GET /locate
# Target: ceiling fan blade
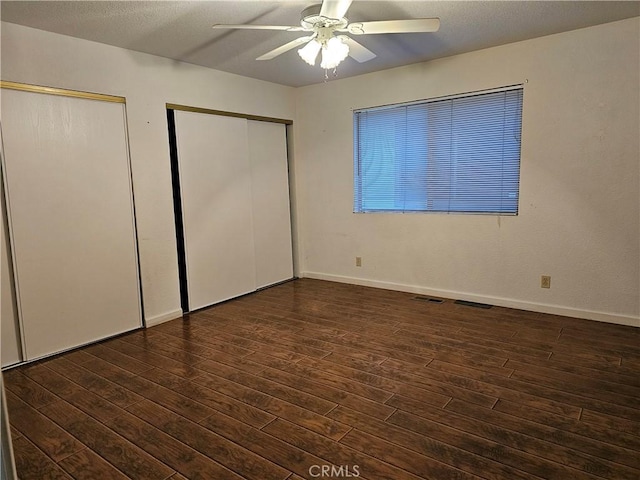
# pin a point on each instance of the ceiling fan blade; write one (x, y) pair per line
(335, 8)
(414, 25)
(357, 51)
(261, 27)
(285, 48)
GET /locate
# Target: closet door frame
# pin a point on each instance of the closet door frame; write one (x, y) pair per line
(175, 175)
(46, 90)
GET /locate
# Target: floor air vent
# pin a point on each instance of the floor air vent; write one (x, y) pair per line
(472, 304)
(429, 299)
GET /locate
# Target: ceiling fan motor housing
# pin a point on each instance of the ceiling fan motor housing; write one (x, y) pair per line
(311, 19)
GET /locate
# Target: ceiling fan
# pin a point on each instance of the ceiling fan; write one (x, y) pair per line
(323, 21)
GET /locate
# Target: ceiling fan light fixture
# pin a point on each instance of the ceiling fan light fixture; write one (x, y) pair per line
(309, 53)
(334, 51)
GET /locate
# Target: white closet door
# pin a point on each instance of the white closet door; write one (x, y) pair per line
(271, 215)
(10, 348)
(215, 185)
(71, 217)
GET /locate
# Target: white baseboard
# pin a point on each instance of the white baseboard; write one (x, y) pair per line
(165, 317)
(501, 302)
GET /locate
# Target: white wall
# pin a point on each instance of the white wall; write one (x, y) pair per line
(579, 217)
(148, 83)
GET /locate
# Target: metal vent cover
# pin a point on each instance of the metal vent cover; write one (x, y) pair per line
(428, 299)
(467, 303)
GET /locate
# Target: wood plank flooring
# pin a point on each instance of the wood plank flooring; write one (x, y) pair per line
(312, 379)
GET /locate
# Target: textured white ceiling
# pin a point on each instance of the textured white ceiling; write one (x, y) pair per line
(182, 30)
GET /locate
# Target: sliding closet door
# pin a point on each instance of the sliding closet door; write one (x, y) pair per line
(10, 339)
(270, 192)
(71, 219)
(217, 210)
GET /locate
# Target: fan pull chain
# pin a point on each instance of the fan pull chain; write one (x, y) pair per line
(326, 74)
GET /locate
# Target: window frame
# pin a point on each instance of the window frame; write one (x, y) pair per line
(515, 119)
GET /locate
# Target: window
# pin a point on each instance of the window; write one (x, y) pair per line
(457, 154)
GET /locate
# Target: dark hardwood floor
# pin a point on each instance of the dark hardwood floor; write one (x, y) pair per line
(295, 379)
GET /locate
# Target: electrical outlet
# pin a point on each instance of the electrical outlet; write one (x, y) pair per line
(545, 281)
(358, 261)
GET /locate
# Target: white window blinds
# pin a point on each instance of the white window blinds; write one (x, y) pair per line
(458, 154)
